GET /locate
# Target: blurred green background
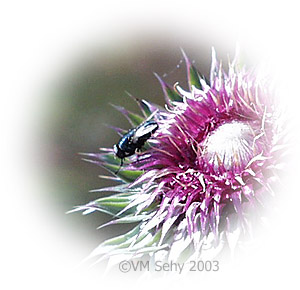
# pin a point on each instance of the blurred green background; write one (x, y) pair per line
(79, 107)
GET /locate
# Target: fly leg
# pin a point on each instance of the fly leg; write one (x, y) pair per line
(138, 154)
(121, 164)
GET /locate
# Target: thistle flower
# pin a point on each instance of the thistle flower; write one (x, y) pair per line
(205, 170)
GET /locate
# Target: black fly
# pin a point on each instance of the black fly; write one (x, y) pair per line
(134, 140)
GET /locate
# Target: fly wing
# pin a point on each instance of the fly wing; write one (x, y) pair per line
(144, 130)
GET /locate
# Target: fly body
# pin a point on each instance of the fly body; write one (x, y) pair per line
(134, 140)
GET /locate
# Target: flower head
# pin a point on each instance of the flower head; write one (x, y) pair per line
(205, 166)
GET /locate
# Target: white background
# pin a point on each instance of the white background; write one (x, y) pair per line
(39, 39)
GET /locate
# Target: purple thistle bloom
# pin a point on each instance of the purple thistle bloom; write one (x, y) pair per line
(205, 170)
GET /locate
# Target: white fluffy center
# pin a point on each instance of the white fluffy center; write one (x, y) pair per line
(231, 144)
